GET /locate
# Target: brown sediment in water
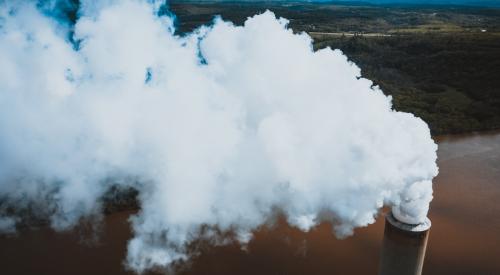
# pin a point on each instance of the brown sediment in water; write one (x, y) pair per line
(465, 212)
(464, 237)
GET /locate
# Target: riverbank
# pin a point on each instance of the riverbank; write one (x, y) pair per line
(448, 80)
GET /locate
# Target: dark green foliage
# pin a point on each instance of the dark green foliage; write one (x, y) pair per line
(437, 63)
(451, 81)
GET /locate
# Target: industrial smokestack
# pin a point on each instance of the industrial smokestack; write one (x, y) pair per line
(404, 245)
(264, 120)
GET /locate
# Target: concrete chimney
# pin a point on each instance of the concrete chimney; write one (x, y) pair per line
(403, 248)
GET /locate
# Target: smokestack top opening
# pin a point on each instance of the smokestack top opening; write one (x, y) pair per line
(421, 227)
(410, 213)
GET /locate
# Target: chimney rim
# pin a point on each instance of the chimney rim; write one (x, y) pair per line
(421, 227)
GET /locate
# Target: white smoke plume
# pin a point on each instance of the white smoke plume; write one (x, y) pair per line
(219, 127)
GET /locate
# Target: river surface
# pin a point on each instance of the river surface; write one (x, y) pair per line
(464, 238)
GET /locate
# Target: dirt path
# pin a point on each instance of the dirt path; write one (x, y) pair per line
(349, 34)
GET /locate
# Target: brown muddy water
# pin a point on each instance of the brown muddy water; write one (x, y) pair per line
(464, 238)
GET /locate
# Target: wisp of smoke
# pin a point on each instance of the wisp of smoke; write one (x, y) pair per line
(219, 127)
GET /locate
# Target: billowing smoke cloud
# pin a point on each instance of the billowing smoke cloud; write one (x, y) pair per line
(219, 128)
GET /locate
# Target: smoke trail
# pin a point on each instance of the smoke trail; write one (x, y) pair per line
(216, 128)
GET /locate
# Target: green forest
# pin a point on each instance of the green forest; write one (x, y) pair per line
(440, 63)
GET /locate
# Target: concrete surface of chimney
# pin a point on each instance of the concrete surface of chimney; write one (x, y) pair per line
(403, 248)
